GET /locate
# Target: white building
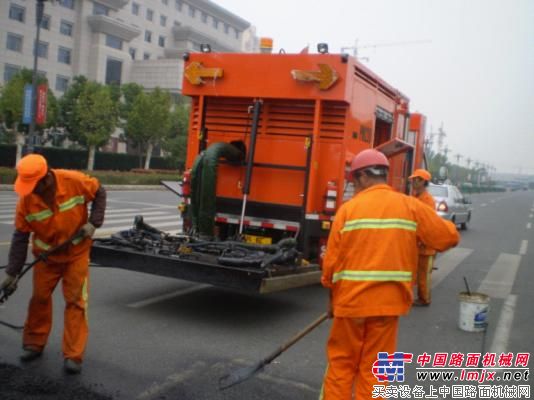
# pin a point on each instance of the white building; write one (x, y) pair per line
(116, 41)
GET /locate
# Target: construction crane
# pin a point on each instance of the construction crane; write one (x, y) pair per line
(356, 47)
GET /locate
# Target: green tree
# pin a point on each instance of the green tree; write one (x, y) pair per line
(67, 103)
(148, 122)
(176, 142)
(95, 117)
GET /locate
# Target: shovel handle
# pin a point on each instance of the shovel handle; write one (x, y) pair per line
(323, 317)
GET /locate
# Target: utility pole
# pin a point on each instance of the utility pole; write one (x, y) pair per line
(39, 12)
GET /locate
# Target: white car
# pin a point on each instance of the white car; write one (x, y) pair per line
(451, 204)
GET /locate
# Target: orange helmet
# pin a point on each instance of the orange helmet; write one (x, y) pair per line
(368, 158)
(30, 170)
(421, 173)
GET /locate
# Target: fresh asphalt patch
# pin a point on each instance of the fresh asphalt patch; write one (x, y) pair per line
(24, 384)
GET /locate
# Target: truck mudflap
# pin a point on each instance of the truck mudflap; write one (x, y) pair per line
(230, 264)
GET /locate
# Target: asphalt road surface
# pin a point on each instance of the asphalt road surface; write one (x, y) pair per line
(161, 338)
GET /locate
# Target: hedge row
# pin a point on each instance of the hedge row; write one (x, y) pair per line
(77, 159)
(8, 175)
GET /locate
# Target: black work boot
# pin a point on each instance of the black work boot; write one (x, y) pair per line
(30, 354)
(72, 367)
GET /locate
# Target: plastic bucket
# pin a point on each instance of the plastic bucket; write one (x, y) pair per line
(474, 310)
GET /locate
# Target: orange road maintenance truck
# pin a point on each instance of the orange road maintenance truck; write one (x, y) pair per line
(270, 140)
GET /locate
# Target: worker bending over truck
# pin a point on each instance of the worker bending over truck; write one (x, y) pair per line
(369, 265)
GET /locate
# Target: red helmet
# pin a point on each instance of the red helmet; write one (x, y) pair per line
(368, 158)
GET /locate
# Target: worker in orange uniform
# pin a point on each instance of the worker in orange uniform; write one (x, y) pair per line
(420, 179)
(368, 266)
(53, 206)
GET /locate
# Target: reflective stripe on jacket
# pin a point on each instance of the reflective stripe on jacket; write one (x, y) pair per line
(51, 227)
(372, 251)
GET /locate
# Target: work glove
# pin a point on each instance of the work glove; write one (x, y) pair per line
(88, 230)
(9, 285)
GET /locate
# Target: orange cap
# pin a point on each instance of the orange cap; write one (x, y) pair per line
(30, 170)
(421, 173)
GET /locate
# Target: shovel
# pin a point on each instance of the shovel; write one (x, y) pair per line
(243, 374)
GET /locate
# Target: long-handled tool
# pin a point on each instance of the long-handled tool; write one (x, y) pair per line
(244, 373)
(4, 294)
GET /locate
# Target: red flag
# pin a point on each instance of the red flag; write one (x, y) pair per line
(40, 118)
(305, 50)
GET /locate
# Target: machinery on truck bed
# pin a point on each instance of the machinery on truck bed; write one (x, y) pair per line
(270, 139)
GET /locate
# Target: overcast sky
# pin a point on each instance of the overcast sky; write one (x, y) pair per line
(473, 73)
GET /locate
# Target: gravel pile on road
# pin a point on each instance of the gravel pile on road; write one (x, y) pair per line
(20, 384)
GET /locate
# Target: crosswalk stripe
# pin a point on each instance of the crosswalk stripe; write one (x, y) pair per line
(120, 210)
(447, 262)
(133, 214)
(148, 221)
(500, 278)
(105, 231)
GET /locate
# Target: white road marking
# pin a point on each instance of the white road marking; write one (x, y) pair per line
(504, 326)
(530, 216)
(110, 217)
(500, 279)
(147, 220)
(108, 230)
(447, 262)
(167, 296)
(171, 381)
(529, 225)
(120, 210)
(483, 205)
(140, 203)
(523, 247)
(492, 201)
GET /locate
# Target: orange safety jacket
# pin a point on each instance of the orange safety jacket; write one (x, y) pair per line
(52, 227)
(426, 198)
(372, 251)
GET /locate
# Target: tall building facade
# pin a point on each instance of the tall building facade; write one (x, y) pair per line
(116, 41)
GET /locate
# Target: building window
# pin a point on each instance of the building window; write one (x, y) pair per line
(62, 83)
(64, 55)
(10, 71)
(16, 12)
(14, 42)
(45, 23)
(161, 41)
(215, 23)
(146, 56)
(67, 4)
(163, 20)
(132, 52)
(149, 14)
(114, 41)
(236, 33)
(100, 9)
(135, 9)
(65, 28)
(204, 17)
(178, 5)
(148, 36)
(226, 28)
(113, 71)
(42, 50)
(192, 11)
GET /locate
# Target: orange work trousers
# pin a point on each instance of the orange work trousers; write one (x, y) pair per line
(424, 278)
(75, 276)
(352, 349)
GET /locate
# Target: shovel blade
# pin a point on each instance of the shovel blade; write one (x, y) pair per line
(238, 376)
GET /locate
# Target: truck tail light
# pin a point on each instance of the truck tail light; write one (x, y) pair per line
(330, 198)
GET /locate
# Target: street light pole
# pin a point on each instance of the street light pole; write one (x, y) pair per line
(39, 7)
